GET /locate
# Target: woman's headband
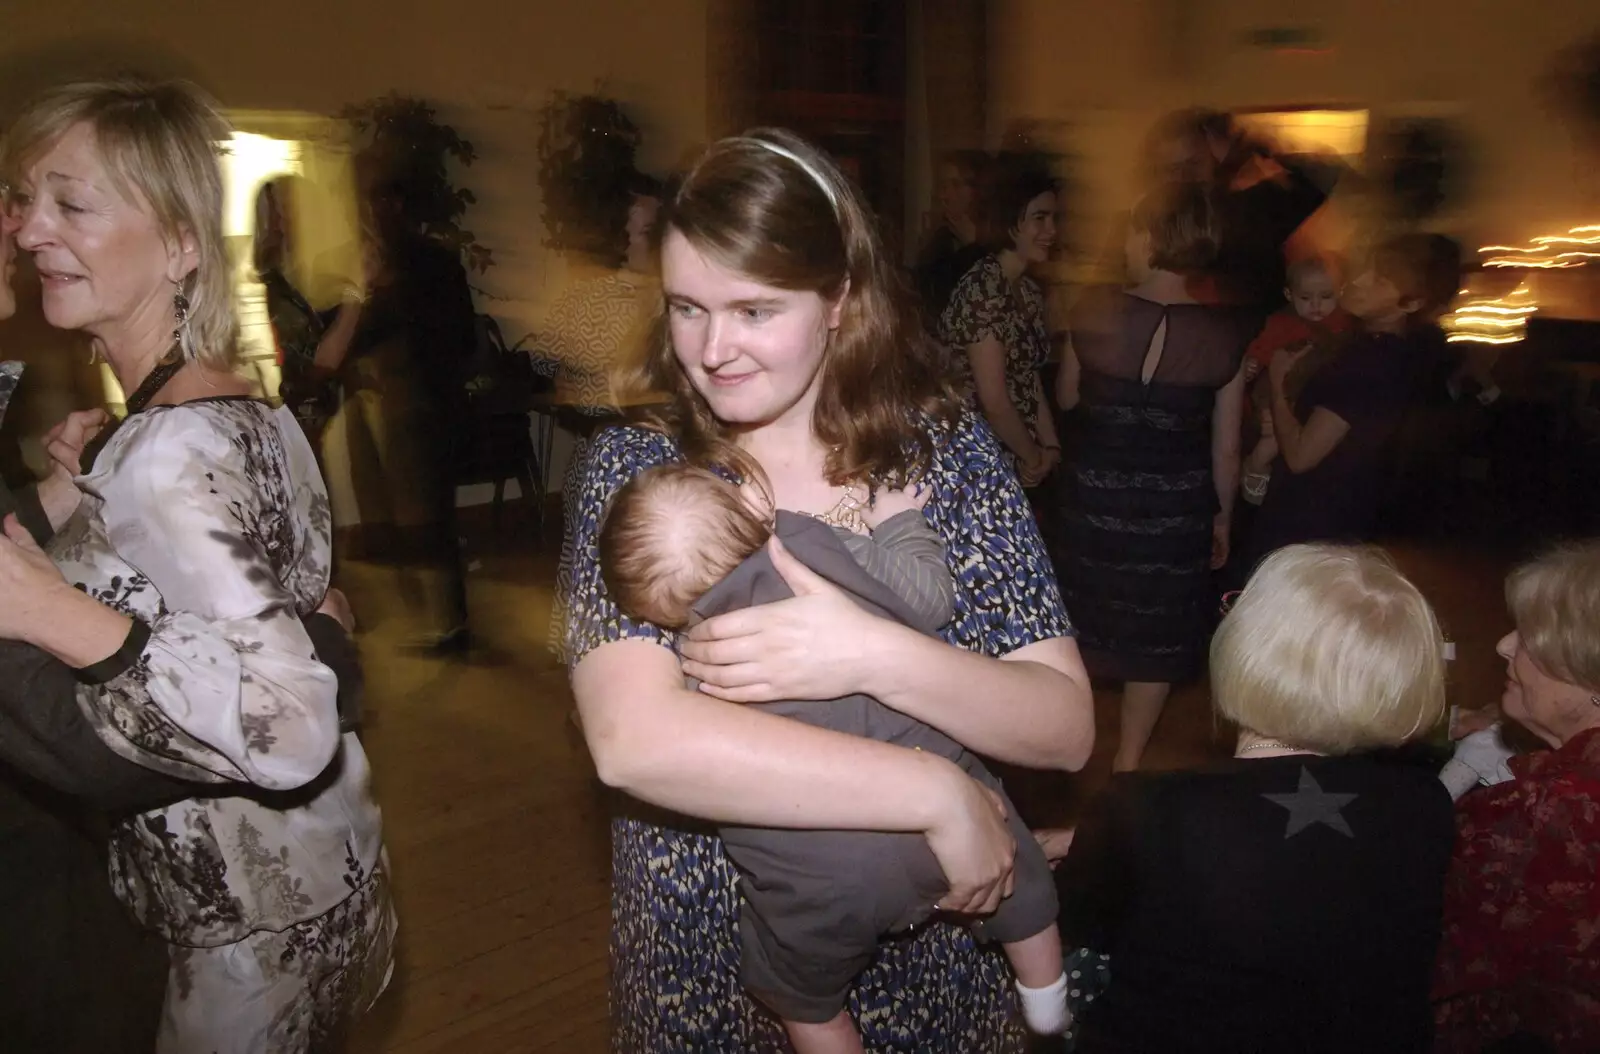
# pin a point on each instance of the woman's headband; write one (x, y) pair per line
(805, 166)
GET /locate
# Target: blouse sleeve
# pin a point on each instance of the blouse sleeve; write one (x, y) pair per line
(976, 307)
(615, 457)
(228, 687)
(1007, 596)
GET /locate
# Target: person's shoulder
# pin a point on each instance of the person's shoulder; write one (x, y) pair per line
(984, 272)
(629, 449)
(1098, 307)
(199, 429)
(963, 444)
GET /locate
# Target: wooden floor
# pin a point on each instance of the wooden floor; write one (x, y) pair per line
(496, 826)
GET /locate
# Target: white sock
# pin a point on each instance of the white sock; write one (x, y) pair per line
(1045, 1009)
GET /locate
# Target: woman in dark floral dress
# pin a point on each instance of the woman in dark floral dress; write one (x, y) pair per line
(995, 325)
(792, 365)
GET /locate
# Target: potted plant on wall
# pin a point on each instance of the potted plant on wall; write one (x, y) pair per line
(587, 150)
(410, 141)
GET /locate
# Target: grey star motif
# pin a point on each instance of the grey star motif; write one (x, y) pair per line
(1310, 805)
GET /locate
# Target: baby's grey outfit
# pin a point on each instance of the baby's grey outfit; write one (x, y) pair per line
(817, 903)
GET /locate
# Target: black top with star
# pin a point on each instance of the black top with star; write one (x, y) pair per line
(1273, 904)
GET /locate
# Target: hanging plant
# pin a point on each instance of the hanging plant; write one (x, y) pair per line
(587, 149)
(406, 139)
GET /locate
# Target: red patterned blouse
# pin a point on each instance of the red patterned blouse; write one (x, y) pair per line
(1521, 947)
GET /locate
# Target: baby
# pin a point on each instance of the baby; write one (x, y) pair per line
(1313, 318)
(680, 544)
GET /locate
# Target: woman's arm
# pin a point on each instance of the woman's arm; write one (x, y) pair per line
(335, 343)
(1032, 708)
(229, 685)
(1067, 377)
(1042, 712)
(1303, 447)
(1048, 438)
(736, 764)
(663, 744)
(989, 378)
(1227, 423)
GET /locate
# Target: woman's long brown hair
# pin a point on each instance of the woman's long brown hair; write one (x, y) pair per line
(762, 215)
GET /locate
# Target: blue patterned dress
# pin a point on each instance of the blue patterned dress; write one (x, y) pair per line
(675, 903)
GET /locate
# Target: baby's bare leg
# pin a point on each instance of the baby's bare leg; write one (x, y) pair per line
(1041, 981)
(838, 1036)
(1037, 959)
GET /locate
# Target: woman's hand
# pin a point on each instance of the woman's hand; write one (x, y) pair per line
(975, 849)
(1032, 471)
(58, 492)
(336, 605)
(65, 442)
(1055, 841)
(769, 652)
(1221, 533)
(1465, 722)
(30, 583)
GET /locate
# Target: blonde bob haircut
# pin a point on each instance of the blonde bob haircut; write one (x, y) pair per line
(1555, 602)
(1332, 649)
(160, 141)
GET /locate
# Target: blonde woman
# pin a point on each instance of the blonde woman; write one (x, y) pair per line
(1288, 899)
(201, 535)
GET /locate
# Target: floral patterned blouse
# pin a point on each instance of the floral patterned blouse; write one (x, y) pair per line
(1521, 948)
(984, 305)
(209, 521)
(675, 897)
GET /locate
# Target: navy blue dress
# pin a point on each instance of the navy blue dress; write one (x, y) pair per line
(1138, 490)
(675, 901)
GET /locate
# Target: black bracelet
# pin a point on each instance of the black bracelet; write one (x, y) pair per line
(120, 661)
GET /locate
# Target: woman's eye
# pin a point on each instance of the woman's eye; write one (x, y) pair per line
(685, 310)
(756, 314)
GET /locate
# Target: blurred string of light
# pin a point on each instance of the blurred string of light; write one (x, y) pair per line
(1491, 319)
(1549, 252)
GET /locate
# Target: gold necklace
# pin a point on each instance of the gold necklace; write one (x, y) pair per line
(847, 513)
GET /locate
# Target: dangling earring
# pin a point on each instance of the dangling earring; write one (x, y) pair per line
(180, 314)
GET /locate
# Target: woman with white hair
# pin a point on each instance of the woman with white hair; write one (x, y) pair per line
(1520, 964)
(200, 536)
(1288, 899)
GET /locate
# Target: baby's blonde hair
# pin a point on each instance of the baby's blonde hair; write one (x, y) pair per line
(1330, 648)
(670, 534)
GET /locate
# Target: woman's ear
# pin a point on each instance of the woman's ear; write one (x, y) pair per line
(183, 256)
(836, 309)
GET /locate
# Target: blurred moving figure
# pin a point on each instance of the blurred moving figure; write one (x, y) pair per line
(310, 344)
(952, 244)
(595, 326)
(405, 404)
